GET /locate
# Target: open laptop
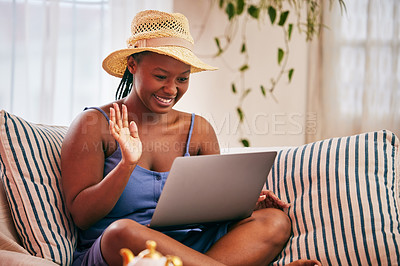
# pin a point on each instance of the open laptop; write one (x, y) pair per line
(211, 189)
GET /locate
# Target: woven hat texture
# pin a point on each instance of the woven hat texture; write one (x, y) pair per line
(159, 32)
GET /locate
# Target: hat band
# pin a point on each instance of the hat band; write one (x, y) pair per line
(163, 41)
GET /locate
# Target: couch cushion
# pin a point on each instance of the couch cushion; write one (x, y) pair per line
(344, 203)
(30, 172)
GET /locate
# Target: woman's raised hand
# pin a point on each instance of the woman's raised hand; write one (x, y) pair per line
(126, 134)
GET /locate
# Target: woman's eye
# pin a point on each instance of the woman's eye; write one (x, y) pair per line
(182, 79)
(161, 77)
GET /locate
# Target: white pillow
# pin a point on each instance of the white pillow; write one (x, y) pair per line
(344, 199)
(30, 172)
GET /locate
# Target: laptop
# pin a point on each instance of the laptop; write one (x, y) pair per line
(208, 189)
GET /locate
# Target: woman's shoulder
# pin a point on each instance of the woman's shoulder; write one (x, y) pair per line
(92, 115)
(202, 125)
(189, 116)
(92, 121)
(203, 139)
(199, 122)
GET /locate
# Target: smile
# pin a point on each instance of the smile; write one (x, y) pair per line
(162, 100)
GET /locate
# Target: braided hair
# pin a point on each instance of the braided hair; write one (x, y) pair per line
(125, 86)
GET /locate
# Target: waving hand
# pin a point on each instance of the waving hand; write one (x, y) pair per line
(126, 134)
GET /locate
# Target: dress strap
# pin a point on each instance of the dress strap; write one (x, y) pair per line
(100, 110)
(190, 135)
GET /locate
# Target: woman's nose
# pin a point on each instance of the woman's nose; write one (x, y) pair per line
(170, 88)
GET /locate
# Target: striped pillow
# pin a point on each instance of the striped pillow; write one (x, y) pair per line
(344, 196)
(30, 173)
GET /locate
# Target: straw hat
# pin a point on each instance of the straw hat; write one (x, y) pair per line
(158, 32)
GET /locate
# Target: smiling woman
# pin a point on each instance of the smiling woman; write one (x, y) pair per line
(112, 193)
(155, 72)
(175, 88)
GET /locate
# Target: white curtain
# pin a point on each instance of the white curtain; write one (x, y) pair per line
(51, 53)
(355, 70)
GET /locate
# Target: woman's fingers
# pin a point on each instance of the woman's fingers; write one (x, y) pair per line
(118, 120)
(119, 117)
(261, 198)
(133, 129)
(112, 130)
(112, 115)
(125, 116)
(268, 199)
(125, 133)
(112, 125)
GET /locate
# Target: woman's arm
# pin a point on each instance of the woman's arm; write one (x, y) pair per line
(89, 196)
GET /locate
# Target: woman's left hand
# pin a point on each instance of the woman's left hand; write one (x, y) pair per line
(268, 199)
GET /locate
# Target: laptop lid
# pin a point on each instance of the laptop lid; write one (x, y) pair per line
(212, 188)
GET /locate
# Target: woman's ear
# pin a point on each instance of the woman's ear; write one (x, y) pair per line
(131, 64)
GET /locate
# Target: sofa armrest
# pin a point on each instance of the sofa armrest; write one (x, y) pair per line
(7, 228)
(18, 259)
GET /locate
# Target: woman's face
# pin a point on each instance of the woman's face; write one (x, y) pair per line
(159, 80)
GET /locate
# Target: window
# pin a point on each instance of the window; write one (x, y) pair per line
(360, 87)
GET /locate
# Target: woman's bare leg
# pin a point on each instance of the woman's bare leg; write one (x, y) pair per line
(256, 240)
(129, 234)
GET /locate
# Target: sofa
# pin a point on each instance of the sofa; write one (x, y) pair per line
(344, 195)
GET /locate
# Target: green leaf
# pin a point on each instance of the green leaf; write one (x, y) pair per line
(245, 142)
(221, 3)
(263, 90)
(234, 88)
(283, 18)
(240, 113)
(244, 68)
(290, 74)
(245, 93)
(217, 42)
(281, 53)
(243, 50)
(230, 11)
(272, 14)
(290, 31)
(239, 6)
(253, 11)
(218, 46)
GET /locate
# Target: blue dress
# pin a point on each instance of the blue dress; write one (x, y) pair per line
(138, 202)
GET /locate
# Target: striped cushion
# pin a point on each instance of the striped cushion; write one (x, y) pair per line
(30, 172)
(344, 196)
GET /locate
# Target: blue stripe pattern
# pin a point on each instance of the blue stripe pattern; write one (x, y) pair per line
(344, 199)
(30, 172)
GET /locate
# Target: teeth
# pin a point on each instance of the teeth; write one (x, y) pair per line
(164, 100)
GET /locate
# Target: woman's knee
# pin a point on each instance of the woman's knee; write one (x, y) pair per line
(121, 231)
(276, 222)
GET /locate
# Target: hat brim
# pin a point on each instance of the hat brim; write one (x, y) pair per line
(115, 63)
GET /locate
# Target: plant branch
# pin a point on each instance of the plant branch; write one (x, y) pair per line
(257, 10)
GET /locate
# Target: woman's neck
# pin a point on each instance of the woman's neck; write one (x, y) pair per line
(139, 113)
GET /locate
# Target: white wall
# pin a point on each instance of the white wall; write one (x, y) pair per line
(269, 123)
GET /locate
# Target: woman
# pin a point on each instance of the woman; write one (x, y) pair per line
(115, 159)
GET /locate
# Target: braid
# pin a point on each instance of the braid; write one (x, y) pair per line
(125, 86)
